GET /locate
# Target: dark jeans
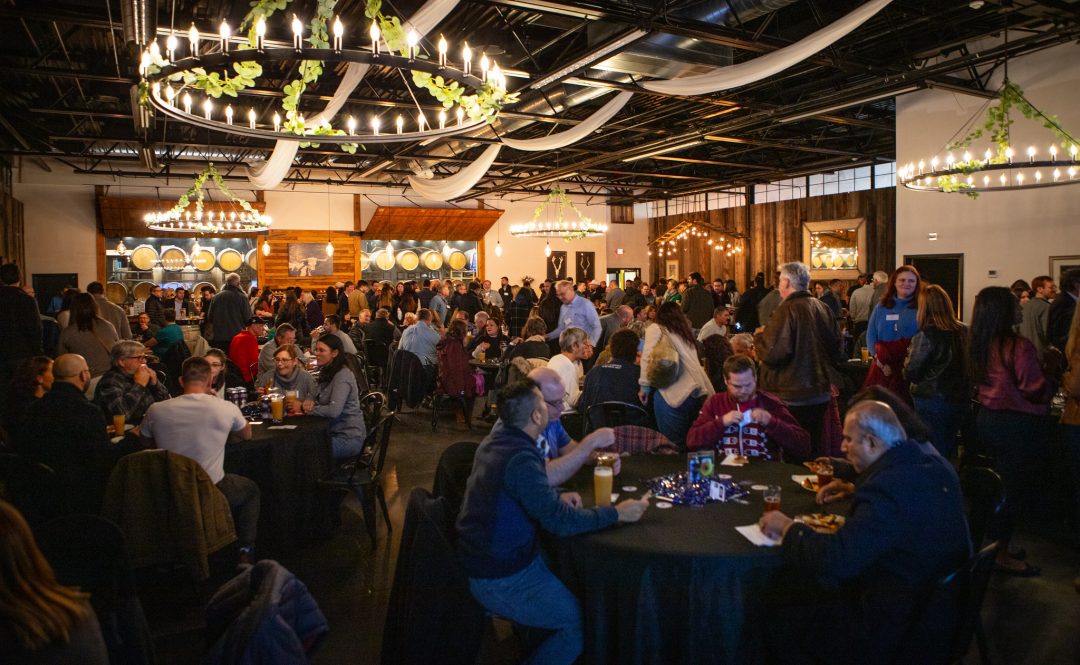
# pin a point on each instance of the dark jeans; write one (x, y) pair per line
(243, 496)
(675, 421)
(943, 418)
(1017, 442)
(812, 419)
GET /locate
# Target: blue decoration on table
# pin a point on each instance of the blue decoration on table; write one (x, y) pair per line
(674, 488)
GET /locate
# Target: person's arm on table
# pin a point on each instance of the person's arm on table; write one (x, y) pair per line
(575, 454)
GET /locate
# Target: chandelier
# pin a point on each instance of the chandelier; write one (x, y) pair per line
(179, 219)
(557, 224)
(184, 88)
(727, 242)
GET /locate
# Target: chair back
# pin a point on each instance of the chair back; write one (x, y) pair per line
(372, 405)
(985, 496)
(972, 593)
(379, 442)
(377, 353)
(32, 488)
(614, 413)
(452, 473)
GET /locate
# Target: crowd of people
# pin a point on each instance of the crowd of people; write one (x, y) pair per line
(711, 367)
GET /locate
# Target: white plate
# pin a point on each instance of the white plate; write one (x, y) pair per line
(799, 478)
(116, 439)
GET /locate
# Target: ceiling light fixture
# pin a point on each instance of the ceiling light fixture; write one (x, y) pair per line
(179, 219)
(557, 224)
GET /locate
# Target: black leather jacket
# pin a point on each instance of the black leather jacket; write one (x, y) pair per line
(935, 366)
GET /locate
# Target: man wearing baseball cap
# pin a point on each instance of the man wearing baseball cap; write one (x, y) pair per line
(244, 347)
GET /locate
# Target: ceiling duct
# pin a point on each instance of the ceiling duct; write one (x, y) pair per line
(140, 22)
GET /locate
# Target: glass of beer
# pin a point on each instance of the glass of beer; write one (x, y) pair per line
(772, 498)
(277, 408)
(865, 354)
(291, 398)
(118, 424)
(602, 480)
(824, 474)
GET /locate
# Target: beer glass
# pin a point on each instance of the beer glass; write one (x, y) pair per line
(772, 498)
(602, 481)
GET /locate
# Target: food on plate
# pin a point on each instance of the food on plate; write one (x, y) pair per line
(810, 484)
(822, 522)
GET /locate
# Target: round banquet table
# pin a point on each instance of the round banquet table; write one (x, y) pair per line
(287, 465)
(681, 585)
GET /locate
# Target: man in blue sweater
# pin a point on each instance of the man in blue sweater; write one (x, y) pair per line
(507, 497)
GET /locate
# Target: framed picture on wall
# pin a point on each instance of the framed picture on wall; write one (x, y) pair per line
(556, 265)
(585, 266)
(835, 249)
(671, 269)
(309, 259)
(1059, 265)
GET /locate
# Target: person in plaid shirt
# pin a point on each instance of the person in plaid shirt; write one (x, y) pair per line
(130, 387)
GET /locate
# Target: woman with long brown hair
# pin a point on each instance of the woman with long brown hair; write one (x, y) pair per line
(678, 401)
(89, 335)
(41, 621)
(893, 323)
(935, 368)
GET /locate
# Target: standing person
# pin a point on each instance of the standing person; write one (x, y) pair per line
(697, 303)
(719, 293)
(862, 301)
(155, 305)
(292, 312)
(44, 621)
(517, 311)
(769, 302)
(1014, 396)
(440, 305)
(312, 310)
(746, 314)
(454, 375)
(167, 425)
(109, 311)
(679, 402)
(330, 301)
(490, 296)
(228, 313)
(506, 292)
(936, 369)
(20, 324)
(338, 398)
(647, 294)
(859, 282)
(575, 312)
(1036, 312)
(610, 323)
(180, 304)
(614, 295)
(892, 325)
(796, 350)
(833, 297)
(507, 498)
(244, 348)
(89, 335)
(550, 306)
(358, 299)
(1070, 419)
(1061, 309)
(425, 294)
(347, 287)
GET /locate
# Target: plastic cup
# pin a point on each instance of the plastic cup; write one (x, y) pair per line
(772, 498)
(602, 481)
(865, 354)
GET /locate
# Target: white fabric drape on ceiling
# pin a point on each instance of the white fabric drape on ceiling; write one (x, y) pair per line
(269, 174)
(461, 182)
(574, 134)
(726, 78)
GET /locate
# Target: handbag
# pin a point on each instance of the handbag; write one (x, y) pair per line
(479, 382)
(663, 363)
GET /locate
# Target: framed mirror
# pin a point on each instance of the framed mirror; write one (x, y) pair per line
(835, 249)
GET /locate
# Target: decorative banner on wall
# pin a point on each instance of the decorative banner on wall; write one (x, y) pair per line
(585, 266)
(556, 265)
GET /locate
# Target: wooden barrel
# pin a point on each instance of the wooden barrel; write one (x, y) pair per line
(174, 258)
(384, 260)
(432, 260)
(144, 257)
(230, 260)
(195, 292)
(142, 290)
(365, 261)
(116, 292)
(457, 260)
(252, 258)
(203, 260)
(408, 260)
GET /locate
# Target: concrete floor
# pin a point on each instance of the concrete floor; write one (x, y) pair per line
(1030, 621)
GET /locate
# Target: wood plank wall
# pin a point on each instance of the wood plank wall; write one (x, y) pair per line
(12, 236)
(773, 234)
(274, 269)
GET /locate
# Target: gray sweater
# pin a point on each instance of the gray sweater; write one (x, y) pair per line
(339, 401)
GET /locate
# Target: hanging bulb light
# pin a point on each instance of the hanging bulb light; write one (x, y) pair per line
(547, 249)
(121, 248)
(329, 248)
(498, 248)
(195, 248)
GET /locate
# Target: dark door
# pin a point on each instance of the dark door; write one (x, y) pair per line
(945, 270)
(48, 286)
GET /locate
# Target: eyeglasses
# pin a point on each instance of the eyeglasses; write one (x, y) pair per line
(141, 357)
(283, 360)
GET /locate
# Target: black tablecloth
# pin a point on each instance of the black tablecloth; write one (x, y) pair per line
(680, 586)
(286, 465)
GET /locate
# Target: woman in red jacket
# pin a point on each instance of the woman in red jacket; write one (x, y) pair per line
(455, 375)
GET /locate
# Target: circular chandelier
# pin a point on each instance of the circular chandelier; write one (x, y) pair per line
(557, 224)
(993, 173)
(169, 84)
(244, 218)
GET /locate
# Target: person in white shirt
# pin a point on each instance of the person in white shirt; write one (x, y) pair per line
(575, 346)
(197, 425)
(717, 325)
(332, 326)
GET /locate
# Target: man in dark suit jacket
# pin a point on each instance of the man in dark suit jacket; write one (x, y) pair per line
(905, 529)
(20, 324)
(1062, 308)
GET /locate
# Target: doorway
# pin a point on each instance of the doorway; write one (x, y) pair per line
(622, 275)
(945, 270)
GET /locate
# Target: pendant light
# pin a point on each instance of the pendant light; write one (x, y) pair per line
(547, 249)
(195, 247)
(266, 247)
(329, 242)
(498, 241)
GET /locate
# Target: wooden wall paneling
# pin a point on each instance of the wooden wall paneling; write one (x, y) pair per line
(274, 269)
(124, 216)
(12, 233)
(400, 223)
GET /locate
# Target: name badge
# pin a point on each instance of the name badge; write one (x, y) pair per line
(892, 317)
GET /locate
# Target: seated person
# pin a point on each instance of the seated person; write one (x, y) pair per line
(507, 498)
(616, 380)
(337, 398)
(356, 332)
(380, 330)
(743, 343)
(717, 325)
(169, 426)
(421, 338)
(167, 336)
(283, 334)
(144, 331)
(743, 420)
(490, 341)
(905, 529)
(288, 375)
(32, 379)
(534, 344)
(244, 347)
(408, 320)
(454, 374)
(130, 387)
(332, 326)
(44, 621)
(575, 347)
(222, 376)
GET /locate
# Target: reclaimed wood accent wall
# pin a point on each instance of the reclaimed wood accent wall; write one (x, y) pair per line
(773, 234)
(120, 217)
(274, 269)
(12, 236)
(401, 223)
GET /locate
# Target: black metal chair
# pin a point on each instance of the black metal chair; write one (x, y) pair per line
(985, 496)
(613, 414)
(362, 475)
(972, 593)
(440, 401)
(371, 405)
(378, 356)
(452, 473)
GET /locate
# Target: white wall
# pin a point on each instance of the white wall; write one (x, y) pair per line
(1013, 233)
(60, 231)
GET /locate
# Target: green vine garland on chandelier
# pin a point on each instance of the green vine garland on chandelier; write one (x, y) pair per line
(557, 196)
(197, 190)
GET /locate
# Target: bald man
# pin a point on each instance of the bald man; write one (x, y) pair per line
(67, 432)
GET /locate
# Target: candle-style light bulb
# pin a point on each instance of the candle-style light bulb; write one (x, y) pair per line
(170, 94)
(207, 107)
(329, 249)
(375, 125)
(225, 33)
(934, 163)
(949, 161)
(374, 32)
(484, 64)
(170, 46)
(277, 121)
(266, 248)
(297, 33)
(339, 33)
(400, 124)
(193, 39)
(351, 124)
(988, 155)
(442, 51)
(986, 181)
(1009, 154)
(442, 119)
(420, 120)
(1053, 153)
(412, 40)
(260, 32)
(460, 113)
(228, 114)
(1072, 151)
(1004, 180)
(1019, 178)
(144, 63)
(1056, 174)
(466, 59)
(496, 75)
(1038, 177)
(967, 157)
(251, 118)
(1031, 153)
(187, 102)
